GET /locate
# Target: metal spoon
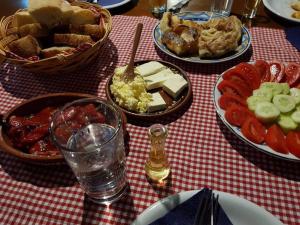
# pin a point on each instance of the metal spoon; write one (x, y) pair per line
(129, 72)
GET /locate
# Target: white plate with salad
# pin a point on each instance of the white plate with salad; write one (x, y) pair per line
(268, 101)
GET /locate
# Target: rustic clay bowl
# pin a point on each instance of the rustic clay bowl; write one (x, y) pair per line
(32, 106)
(173, 106)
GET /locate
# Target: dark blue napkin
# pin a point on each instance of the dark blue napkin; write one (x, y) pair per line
(293, 35)
(185, 213)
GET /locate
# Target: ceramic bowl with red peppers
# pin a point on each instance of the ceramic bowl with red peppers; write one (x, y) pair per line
(24, 131)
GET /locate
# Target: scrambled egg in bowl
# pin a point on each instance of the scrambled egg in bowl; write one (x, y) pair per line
(132, 95)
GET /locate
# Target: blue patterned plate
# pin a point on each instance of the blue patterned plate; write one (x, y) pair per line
(109, 4)
(202, 17)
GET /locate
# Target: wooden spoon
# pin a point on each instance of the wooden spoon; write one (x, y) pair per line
(129, 72)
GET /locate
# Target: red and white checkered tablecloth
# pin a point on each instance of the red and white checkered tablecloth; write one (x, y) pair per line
(201, 150)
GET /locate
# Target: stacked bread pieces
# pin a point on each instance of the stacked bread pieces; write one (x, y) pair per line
(54, 27)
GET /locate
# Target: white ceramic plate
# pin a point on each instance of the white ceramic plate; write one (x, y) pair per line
(281, 8)
(202, 17)
(239, 210)
(237, 131)
(110, 4)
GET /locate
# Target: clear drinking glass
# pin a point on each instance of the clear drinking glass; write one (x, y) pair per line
(89, 134)
(250, 8)
(158, 7)
(222, 7)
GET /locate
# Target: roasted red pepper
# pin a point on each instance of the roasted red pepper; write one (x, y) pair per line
(35, 135)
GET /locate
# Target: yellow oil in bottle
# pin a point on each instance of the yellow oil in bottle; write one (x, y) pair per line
(157, 167)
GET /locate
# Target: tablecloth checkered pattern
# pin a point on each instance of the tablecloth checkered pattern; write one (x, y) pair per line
(201, 150)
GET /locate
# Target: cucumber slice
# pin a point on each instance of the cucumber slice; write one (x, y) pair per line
(266, 112)
(287, 123)
(285, 88)
(296, 116)
(264, 93)
(275, 88)
(295, 92)
(253, 100)
(285, 103)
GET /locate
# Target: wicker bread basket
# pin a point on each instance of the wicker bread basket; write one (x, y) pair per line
(58, 64)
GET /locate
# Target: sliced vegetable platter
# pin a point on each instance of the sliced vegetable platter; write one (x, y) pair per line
(260, 103)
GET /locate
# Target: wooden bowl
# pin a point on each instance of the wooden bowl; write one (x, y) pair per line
(172, 107)
(32, 106)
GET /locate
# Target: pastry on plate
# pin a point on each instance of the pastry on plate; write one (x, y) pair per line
(211, 39)
(296, 15)
(182, 40)
(219, 36)
(296, 6)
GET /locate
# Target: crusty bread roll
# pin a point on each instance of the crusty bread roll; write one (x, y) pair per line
(82, 16)
(296, 15)
(71, 39)
(53, 51)
(46, 12)
(25, 47)
(67, 13)
(296, 6)
(34, 29)
(22, 18)
(95, 31)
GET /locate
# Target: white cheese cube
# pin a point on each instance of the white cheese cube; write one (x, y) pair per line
(157, 103)
(156, 80)
(174, 85)
(149, 68)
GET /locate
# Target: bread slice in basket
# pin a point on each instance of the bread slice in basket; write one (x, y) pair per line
(80, 51)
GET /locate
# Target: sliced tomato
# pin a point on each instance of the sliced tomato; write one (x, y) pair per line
(233, 74)
(241, 83)
(293, 142)
(254, 130)
(263, 69)
(275, 139)
(236, 115)
(227, 86)
(292, 72)
(228, 99)
(250, 73)
(276, 71)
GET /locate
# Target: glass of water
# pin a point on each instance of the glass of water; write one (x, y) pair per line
(89, 134)
(222, 7)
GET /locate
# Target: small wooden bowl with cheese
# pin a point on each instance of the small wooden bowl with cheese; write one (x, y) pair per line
(161, 89)
(54, 36)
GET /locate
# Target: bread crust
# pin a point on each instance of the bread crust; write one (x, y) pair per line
(34, 29)
(53, 51)
(25, 47)
(72, 39)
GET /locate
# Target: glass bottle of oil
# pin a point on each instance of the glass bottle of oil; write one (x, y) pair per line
(157, 167)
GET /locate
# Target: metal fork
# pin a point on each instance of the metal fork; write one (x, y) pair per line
(207, 210)
(214, 209)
